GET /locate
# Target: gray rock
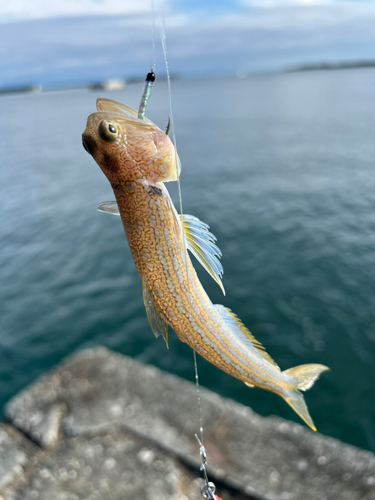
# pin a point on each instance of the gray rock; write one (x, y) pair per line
(44, 427)
(41, 422)
(16, 454)
(265, 457)
(109, 466)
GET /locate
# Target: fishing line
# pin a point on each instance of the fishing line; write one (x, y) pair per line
(208, 488)
(198, 396)
(153, 67)
(164, 45)
(150, 77)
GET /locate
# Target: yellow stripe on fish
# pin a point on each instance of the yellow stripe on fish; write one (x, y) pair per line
(138, 158)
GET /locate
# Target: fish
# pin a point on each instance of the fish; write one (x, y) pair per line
(138, 158)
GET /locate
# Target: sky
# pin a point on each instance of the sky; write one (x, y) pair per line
(65, 42)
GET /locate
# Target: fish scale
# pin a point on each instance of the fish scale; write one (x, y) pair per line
(138, 158)
(193, 325)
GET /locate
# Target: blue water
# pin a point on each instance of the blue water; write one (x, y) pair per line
(281, 167)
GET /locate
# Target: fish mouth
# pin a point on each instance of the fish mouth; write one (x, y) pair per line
(88, 144)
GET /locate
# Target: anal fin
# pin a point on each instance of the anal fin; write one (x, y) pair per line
(157, 323)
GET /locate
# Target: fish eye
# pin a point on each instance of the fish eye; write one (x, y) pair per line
(108, 131)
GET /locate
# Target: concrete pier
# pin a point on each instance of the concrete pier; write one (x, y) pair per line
(103, 426)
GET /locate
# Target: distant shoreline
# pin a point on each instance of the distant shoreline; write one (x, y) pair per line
(110, 84)
(332, 66)
(119, 83)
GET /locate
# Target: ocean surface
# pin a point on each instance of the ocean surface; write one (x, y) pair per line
(282, 169)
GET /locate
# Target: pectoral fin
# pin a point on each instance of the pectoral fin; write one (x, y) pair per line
(157, 323)
(201, 244)
(108, 207)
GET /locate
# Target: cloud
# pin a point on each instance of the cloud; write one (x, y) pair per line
(297, 14)
(20, 10)
(88, 48)
(272, 4)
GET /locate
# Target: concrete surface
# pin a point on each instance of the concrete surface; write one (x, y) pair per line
(102, 425)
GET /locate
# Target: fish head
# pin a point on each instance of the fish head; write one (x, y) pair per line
(128, 148)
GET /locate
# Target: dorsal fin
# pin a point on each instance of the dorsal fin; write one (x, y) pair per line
(201, 244)
(157, 323)
(241, 332)
(103, 104)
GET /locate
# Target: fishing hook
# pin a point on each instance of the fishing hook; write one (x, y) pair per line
(168, 125)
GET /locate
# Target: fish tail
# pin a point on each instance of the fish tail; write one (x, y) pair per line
(303, 377)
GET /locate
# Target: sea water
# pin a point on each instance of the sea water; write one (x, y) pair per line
(282, 169)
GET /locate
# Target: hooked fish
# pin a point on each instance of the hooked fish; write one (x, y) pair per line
(138, 159)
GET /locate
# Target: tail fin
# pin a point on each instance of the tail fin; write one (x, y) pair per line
(303, 377)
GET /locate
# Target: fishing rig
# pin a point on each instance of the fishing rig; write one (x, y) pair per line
(149, 83)
(208, 487)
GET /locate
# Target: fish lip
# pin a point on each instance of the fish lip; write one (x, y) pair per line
(88, 143)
